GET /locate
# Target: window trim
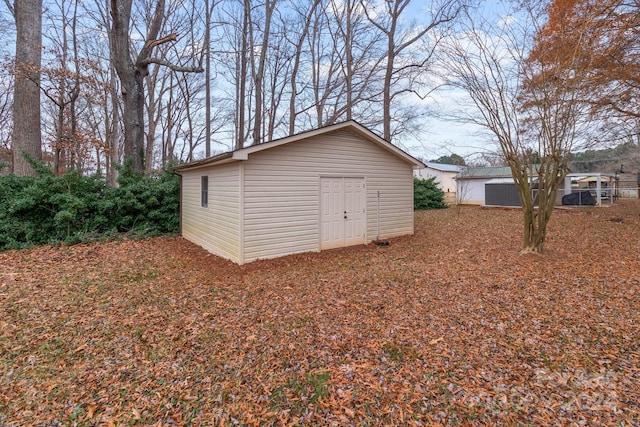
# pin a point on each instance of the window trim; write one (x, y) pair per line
(204, 191)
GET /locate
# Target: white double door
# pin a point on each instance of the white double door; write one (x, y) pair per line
(342, 212)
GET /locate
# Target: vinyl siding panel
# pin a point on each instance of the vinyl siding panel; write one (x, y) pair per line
(282, 196)
(216, 227)
(471, 191)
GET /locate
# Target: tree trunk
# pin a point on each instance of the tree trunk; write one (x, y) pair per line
(154, 107)
(132, 75)
(241, 77)
(133, 100)
(258, 73)
(131, 84)
(207, 80)
(113, 129)
(296, 66)
(27, 138)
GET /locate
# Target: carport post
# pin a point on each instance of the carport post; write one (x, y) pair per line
(598, 190)
(567, 185)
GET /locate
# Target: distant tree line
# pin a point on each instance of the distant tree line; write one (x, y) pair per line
(175, 77)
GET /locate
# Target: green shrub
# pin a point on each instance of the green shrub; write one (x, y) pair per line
(72, 208)
(427, 195)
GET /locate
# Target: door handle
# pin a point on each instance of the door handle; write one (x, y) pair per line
(345, 214)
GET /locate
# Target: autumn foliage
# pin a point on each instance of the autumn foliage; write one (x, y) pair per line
(597, 42)
(447, 327)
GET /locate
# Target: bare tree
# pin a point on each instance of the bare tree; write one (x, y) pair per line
(7, 27)
(400, 38)
(61, 81)
(277, 77)
(306, 16)
(132, 71)
(27, 138)
(258, 64)
(6, 101)
(325, 68)
(342, 65)
(525, 108)
(359, 55)
(233, 62)
(209, 5)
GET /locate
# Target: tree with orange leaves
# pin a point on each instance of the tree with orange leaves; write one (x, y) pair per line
(599, 40)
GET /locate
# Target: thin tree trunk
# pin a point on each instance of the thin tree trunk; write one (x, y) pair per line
(113, 148)
(153, 108)
(258, 73)
(296, 66)
(241, 77)
(75, 91)
(207, 79)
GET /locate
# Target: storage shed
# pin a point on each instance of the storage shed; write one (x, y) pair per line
(472, 183)
(491, 186)
(332, 187)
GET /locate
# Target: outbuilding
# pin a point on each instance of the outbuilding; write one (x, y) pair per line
(494, 186)
(444, 175)
(332, 187)
(491, 186)
(472, 184)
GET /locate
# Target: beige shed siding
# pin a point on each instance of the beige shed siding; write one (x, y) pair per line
(217, 227)
(281, 192)
(396, 203)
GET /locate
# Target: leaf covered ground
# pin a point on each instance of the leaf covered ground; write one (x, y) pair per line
(450, 326)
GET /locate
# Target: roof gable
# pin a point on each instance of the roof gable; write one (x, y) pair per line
(443, 167)
(351, 125)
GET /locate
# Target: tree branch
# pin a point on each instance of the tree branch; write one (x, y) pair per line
(174, 67)
(150, 44)
(11, 8)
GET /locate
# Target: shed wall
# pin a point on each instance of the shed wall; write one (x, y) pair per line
(216, 227)
(282, 192)
(471, 191)
(501, 195)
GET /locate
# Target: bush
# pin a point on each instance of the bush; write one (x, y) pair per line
(72, 208)
(427, 195)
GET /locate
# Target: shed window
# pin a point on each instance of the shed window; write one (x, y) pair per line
(204, 191)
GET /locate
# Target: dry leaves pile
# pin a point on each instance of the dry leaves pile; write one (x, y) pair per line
(450, 326)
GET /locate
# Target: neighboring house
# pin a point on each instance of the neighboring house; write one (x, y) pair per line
(629, 185)
(494, 186)
(337, 186)
(471, 185)
(586, 182)
(444, 175)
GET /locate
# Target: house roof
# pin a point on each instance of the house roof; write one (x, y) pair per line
(351, 125)
(490, 172)
(590, 178)
(508, 180)
(442, 167)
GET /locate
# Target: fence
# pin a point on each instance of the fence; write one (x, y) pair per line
(589, 196)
